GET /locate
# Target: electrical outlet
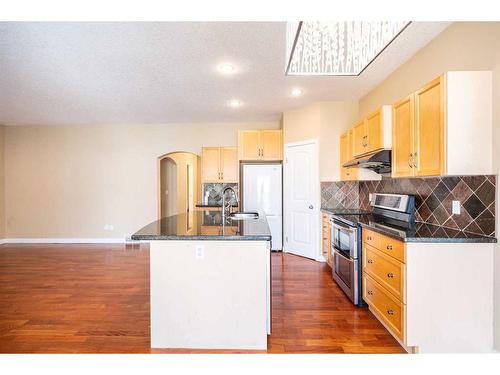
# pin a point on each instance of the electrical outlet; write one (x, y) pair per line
(109, 227)
(200, 251)
(455, 207)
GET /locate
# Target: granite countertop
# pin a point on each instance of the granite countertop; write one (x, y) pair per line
(423, 232)
(428, 233)
(212, 205)
(205, 225)
(344, 211)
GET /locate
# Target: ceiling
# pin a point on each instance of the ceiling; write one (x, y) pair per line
(165, 72)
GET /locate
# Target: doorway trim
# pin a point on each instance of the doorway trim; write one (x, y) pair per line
(317, 193)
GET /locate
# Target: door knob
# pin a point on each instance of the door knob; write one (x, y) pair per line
(311, 206)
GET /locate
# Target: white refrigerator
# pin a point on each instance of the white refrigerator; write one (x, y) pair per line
(262, 190)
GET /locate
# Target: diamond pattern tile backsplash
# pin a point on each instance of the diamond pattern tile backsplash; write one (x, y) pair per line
(214, 192)
(433, 199)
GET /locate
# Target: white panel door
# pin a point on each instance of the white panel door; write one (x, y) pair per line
(301, 189)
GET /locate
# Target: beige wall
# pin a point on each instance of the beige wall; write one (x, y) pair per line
(69, 181)
(324, 121)
(462, 46)
(2, 182)
(496, 168)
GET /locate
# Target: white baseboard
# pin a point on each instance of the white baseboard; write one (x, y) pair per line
(60, 240)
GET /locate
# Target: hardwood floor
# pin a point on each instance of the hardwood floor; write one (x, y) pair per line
(95, 299)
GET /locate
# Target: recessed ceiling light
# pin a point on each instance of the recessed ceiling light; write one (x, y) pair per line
(296, 92)
(226, 68)
(234, 103)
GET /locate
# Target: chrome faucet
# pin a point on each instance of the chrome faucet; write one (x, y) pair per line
(228, 208)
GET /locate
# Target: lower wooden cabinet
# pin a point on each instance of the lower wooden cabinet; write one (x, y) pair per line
(384, 280)
(326, 239)
(387, 307)
(430, 296)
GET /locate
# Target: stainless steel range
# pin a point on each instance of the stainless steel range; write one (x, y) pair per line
(389, 210)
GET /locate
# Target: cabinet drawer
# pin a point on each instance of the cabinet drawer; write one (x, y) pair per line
(371, 238)
(389, 272)
(387, 308)
(387, 245)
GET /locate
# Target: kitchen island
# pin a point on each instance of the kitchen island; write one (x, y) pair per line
(210, 281)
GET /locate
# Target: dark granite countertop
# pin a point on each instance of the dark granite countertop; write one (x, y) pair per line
(205, 225)
(344, 211)
(212, 205)
(423, 232)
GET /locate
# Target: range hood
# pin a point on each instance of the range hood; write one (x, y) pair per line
(378, 161)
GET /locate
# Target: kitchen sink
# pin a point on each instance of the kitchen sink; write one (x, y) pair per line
(243, 215)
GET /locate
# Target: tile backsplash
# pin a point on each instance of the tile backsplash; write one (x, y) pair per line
(215, 193)
(433, 199)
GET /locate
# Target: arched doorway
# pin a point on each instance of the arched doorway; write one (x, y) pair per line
(178, 183)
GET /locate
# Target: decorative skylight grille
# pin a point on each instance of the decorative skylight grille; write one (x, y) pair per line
(337, 48)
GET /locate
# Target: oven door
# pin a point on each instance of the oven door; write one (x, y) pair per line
(345, 273)
(345, 239)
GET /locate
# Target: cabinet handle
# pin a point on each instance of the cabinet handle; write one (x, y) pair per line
(261, 152)
(389, 247)
(390, 275)
(222, 175)
(415, 160)
(390, 312)
(368, 238)
(370, 261)
(370, 292)
(410, 161)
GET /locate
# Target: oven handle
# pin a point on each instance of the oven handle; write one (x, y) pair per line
(341, 227)
(342, 254)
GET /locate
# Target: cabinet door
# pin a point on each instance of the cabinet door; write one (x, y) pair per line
(229, 164)
(249, 145)
(344, 154)
(429, 129)
(359, 138)
(374, 132)
(402, 137)
(352, 173)
(210, 164)
(271, 147)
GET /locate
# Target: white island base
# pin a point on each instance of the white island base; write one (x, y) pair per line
(210, 294)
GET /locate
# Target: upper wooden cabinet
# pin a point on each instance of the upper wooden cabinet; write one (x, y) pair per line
(373, 132)
(359, 138)
(219, 165)
(346, 146)
(402, 137)
(428, 152)
(445, 127)
(260, 145)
